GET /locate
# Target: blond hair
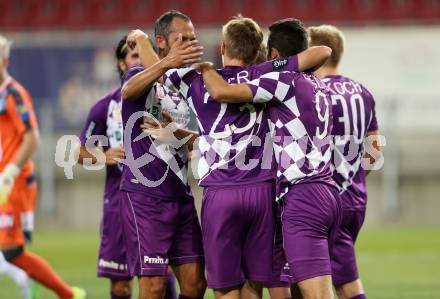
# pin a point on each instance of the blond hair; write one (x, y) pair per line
(330, 36)
(5, 47)
(242, 38)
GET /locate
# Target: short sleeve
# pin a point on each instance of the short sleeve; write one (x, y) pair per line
(289, 64)
(268, 87)
(179, 80)
(96, 123)
(20, 109)
(130, 73)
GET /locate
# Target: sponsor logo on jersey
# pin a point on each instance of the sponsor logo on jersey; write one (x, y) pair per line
(155, 260)
(111, 265)
(279, 64)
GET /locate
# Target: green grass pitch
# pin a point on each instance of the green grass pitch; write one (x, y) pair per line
(394, 263)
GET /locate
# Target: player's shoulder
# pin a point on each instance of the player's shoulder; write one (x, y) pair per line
(343, 82)
(102, 104)
(360, 86)
(17, 91)
(131, 72)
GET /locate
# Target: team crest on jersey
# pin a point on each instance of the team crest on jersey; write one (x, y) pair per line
(279, 64)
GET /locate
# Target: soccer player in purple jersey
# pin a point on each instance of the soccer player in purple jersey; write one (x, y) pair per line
(235, 144)
(300, 112)
(160, 221)
(244, 56)
(104, 124)
(354, 120)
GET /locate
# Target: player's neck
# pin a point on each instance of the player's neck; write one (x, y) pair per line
(3, 76)
(232, 61)
(325, 71)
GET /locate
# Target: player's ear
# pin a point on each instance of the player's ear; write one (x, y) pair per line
(222, 48)
(274, 53)
(122, 66)
(161, 42)
(5, 62)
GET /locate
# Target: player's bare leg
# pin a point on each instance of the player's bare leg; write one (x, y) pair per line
(228, 293)
(296, 293)
(316, 288)
(121, 288)
(252, 290)
(279, 293)
(350, 290)
(191, 278)
(152, 287)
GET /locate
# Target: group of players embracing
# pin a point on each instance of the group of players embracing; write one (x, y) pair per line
(279, 152)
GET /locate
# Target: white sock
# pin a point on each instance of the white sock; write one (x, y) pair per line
(16, 274)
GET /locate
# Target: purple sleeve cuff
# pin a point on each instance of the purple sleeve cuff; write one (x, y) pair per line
(130, 73)
(373, 125)
(289, 64)
(293, 63)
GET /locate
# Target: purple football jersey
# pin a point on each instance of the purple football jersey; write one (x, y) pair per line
(105, 120)
(300, 112)
(236, 143)
(354, 116)
(152, 167)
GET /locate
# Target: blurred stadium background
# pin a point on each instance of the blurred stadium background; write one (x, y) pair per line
(63, 54)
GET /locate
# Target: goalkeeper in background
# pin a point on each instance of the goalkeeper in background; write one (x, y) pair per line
(18, 141)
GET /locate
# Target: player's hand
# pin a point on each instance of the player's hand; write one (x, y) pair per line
(183, 53)
(114, 155)
(161, 131)
(152, 123)
(7, 179)
(134, 36)
(203, 66)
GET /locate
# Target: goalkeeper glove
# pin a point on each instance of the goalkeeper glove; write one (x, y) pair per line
(7, 178)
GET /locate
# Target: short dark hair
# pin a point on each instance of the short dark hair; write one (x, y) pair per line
(121, 52)
(122, 48)
(162, 24)
(288, 36)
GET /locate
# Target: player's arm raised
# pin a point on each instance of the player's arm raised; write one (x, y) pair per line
(181, 53)
(222, 91)
(313, 58)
